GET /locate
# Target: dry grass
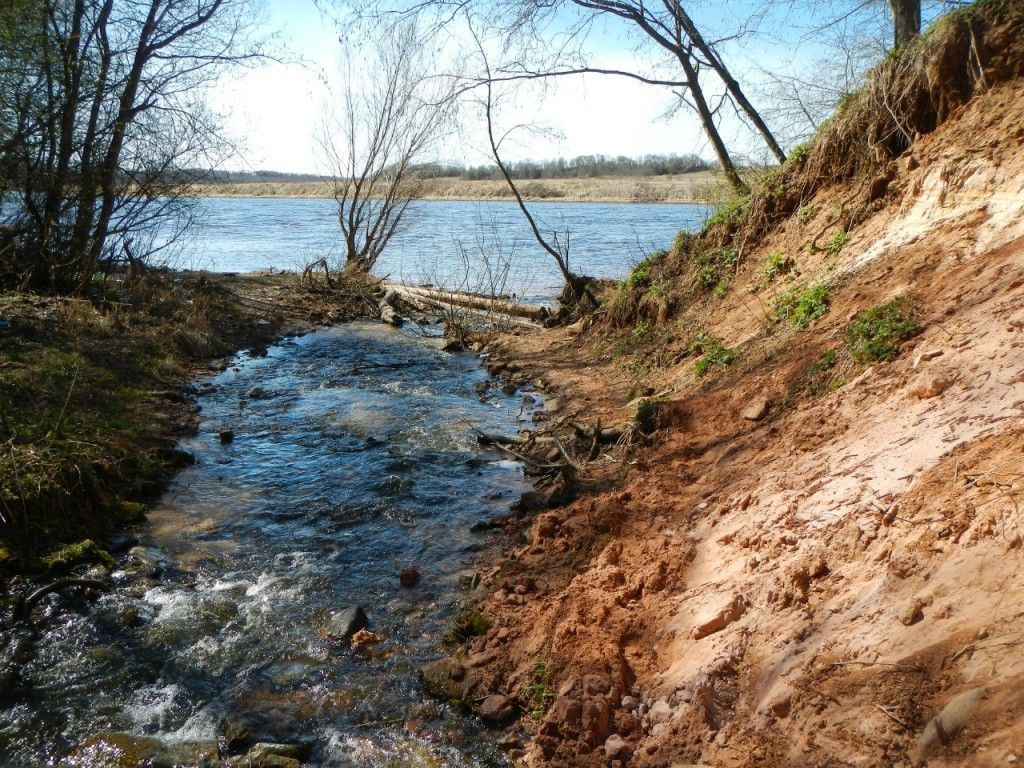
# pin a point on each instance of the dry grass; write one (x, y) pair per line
(686, 188)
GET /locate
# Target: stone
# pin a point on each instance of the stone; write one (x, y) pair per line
(925, 356)
(756, 411)
(911, 613)
(443, 679)
(409, 577)
(497, 709)
(258, 393)
(226, 436)
(718, 617)
(346, 623)
(949, 722)
(364, 639)
(144, 562)
(616, 748)
(932, 383)
(552, 405)
(509, 388)
(294, 751)
(468, 579)
(660, 711)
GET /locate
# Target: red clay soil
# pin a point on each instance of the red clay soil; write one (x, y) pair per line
(811, 587)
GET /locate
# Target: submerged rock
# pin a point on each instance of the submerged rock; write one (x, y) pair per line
(346, 623)
(444, 679)
(409, 577)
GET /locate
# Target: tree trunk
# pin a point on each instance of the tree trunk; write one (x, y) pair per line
(906, 17)
(707, 121)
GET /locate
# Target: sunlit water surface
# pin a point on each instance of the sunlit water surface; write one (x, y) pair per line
(473, 245)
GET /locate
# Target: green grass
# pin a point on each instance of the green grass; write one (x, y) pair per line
(875, 334)
(538, 693)
(640, 330)
(731, 215)
(799, 153)
(641, 274)
(712, 353)
(807, 212)
(802, 305)
(647, 416)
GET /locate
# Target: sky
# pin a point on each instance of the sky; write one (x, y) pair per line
(274, 111)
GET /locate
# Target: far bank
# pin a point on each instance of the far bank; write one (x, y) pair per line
(683, 188)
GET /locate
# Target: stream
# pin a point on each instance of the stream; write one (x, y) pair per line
(353, 457)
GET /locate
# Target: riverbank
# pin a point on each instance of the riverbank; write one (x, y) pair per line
(816, 557)
(95, 394)
(686, 188)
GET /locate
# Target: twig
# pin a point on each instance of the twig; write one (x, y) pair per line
(891, 716)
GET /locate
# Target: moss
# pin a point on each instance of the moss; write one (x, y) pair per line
(85, 552)
(875, 334)
(466, 623)
(647, 412)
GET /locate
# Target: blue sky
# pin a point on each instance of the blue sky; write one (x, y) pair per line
(274, 110)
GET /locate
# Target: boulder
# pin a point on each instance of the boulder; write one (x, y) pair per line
(444, 679)
(346, 623)
(616, 748)
(497, 709)
(757, 410)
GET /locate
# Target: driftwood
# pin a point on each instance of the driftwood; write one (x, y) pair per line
(433, 297)
(24, 610)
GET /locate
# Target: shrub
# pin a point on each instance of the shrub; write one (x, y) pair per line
(799, 153)
(647, 416)
(711, 352)
(807, 212)
(802, 305)
(875, 334)
(731, 215)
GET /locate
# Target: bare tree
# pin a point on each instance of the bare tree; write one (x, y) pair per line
(390, 117)
(106, 113)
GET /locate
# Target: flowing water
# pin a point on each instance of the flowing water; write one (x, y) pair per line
(605, 240)
(354, 456)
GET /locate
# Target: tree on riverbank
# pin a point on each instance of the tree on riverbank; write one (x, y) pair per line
(389, 117)
(102, 106)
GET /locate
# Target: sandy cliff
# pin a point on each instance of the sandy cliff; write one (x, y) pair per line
(817, 560)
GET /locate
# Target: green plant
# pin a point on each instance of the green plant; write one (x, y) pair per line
(712, 352)
(641, 329)
(875, 334)
(647, 416)
(799, 153)
(839, 239)
(658, 289)
(802, 305)
(820, 374)
(731, 215)
(777, 263)
(641, 274)
(538, 693)
(807, 212)
(713, 269)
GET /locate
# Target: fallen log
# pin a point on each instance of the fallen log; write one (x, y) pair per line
(388, 314)
(439, 298)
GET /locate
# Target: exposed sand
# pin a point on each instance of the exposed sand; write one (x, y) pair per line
(811, 588)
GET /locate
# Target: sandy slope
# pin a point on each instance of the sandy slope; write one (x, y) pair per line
(811, 588)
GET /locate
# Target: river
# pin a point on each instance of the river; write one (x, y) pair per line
(456, 244)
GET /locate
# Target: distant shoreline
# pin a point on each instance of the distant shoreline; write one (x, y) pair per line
(686, 188)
